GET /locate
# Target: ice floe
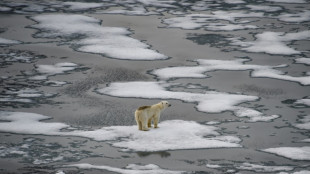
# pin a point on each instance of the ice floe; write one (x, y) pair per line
(303, 61)
(205, 65)
(129, 169)
(264, 8)
(172, 135)
(196, 21)
(289, 1)
(303, 16)
(4, 42)
(294, 153)
(263, 168)
(272, 42)
(303, 102)
(210, 101)
(113, 42)
(50, 70)
(303, 123)
(77, 6)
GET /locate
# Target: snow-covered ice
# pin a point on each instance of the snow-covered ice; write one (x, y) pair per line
(263, 168)
(272, 42)
(210, 101)
(294, 153)
(303, 60)
(129, 169)
(51, 70)
(172, 134)
(196, 21)
(303, 123)
(4, 42)
(205, 65)
(113, 42)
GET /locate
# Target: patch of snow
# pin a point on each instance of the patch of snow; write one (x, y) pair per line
(129, 169)
(205, 65)
(172, 135)
(263, 168)
(303, 102)
(303, 61)
(294, 153)
(297, 17)
(264, 8)
(4, 41)
(304, 123)
(272, 42)
(110, 41)
(77, 6)
(210, 101)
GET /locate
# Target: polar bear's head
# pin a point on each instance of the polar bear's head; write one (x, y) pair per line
(165, 104)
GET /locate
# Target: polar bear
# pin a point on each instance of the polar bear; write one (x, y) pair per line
(145, 114)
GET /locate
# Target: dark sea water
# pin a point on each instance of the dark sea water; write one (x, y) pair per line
(236, 72)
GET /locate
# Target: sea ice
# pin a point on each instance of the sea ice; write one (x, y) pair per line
(272, 42)
(129, 169)
(304, 123)
(303, 61)
(297, 17)
(263, 168)
(50, 70)
(264, 8)
(4, 41)
(195, 21)
(303, 102)
(172, 134)
(206, 65)
(76, 6)
(87, 35)
(289, 1)
(210, 101)
(294, 153)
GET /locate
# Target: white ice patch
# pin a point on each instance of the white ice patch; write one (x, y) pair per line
(172, 135)
(76, 6)
(87, 35)
(297, 17)
(50, 70)
(234, 1)
(195, 21)
(210, 101)
(263, 168)
(294, 153)
(264, 8)
(4, 41)
(289, 1)
(272, 42)
(304, 123)
(229, 65)
(303, 102)
(303, 61)
(129, 169)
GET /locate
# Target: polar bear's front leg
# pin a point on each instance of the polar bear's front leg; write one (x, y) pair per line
(144, 125)
(149, 123)
(156, 120)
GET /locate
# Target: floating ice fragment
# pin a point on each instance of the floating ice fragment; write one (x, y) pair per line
(234, 1)
(295, 18)
(294, 153)
(289, 1)
(263, 168)
(172, 135)
(87, 35)
(303, 102)
(264, 8)
(129, 169)
(205, 65)
(212, 102)
(272, 42)
(303, 61)
(305, 123)
(4, 41)
(76, 6)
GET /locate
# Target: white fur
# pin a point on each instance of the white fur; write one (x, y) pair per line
(145, 114)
